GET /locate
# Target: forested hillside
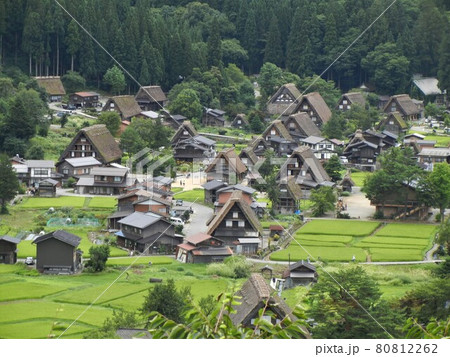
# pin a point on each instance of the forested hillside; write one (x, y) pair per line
(161, 41)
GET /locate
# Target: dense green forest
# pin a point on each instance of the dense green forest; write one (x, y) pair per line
(162, 41)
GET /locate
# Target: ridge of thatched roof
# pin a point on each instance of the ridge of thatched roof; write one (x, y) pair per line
(126, 104)
(288, 106)
(280, 128)
(248, 151)
(236, 198)
(51, 85)
(234, 161)
(151, 93)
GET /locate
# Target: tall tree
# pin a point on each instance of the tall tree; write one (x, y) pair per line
(214, 45)
(116, 79)
(73, 41)
(274, 51)
(10, 183)
(444, 63)
(436, 188)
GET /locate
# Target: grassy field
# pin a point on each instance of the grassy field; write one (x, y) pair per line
(324, 240)
(196, 195)
(337, 227)
(102, 202)
(358, 177)
(441, 140)
(55, 202)
(267, 224)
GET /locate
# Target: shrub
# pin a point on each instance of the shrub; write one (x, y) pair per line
(345, 194)
(378, 215)
(98, 257)
(180, 269)
(189, 273)
(220, 270)
(437, 218)
(162, 270)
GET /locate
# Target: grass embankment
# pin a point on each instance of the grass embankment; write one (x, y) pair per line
(331, 240)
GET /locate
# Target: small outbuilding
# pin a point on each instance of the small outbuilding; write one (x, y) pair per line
(300, 273)
(57, 253)
(47, 188)
(8, 249)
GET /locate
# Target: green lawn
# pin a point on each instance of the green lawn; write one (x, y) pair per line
(424, 231)
(56, 202)
(358, 177)
(337, 227)
(196, 195)
(102, 202)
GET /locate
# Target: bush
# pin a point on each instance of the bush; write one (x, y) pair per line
(180, 269)
(162, 270)
(378, 215)
(98, 257)
(71, 182)
(220, 270)
(343, 215)
(437, 218)
(345, 194)
(189, 273)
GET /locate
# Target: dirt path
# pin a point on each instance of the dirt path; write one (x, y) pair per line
(358, 206)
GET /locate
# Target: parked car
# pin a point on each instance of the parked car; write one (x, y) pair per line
(179, 203)
(29, 261)
(176, 221)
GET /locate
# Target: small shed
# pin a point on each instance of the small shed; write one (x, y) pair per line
(276, 229)
(248, 246)
(57, 253)
(300, 273)
(8, 249)
(267, 272)
(47, 188)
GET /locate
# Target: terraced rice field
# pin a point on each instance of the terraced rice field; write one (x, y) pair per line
(332, 240)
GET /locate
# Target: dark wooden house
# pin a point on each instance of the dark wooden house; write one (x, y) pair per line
(147, 233)
(211, 188)
(185, 131)
(255, 295)
(151, 98)
(84, 99)
(393, 123)
(47, 188)
(349, 99)
(403, 104)
(248, 157)
(213, 117)
(284, 101)
(239, 122)
(237, 225)
(202, 248)
(307, 170)
(300, 273)
(8, 249)
(53, 88)
(227, 167)
(196, 148)
(402, 203)
(57, 253)
(104, 181)
(279, 138)
(259, 146)
(300, 126)
(322, 148)
(77, 167)
(93, 141)
(315, 106)
(290, 196)
(125, 105)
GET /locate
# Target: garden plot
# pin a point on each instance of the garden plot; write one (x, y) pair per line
(338, 254)
(27, 290)
(102, 202)
(55, 202)
(420, 231)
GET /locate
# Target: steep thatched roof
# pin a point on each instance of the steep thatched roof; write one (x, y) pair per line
(396, 117)
(304, 124)
(150, 94)
(186, 126)
(243, 119)
(248, 152)
(280, 128)
(285, 100)
(354, 98)
(236, 198)
(404, 104)
(317, 103)
(256, 294)
(125, 104)
(233, 160)
(101, 139)
(51, 85)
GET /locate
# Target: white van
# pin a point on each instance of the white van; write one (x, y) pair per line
(176, 221)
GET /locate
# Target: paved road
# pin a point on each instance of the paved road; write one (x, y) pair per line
(198, 220)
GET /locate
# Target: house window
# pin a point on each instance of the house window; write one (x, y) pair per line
(345, 101)
(235, 214)
(292, 125)
(40, 172)
(83, 140)
(341, 106)
(228, 223)
(185, 132)
(296, 164)
(65, 171)
(303, 173)
(93, 154)
(391, 122)
(112, 105)
(349, 107)
(241, 223)
(272, 132)
(305, 106)
(83, 154)
(239, 122)
(117, 179)
(283, 190)
(72, 154)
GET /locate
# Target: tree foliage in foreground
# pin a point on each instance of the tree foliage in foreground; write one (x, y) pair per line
(218, 325)
(98, 257)
(9, 183)
(323, 200)
(336, 308)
